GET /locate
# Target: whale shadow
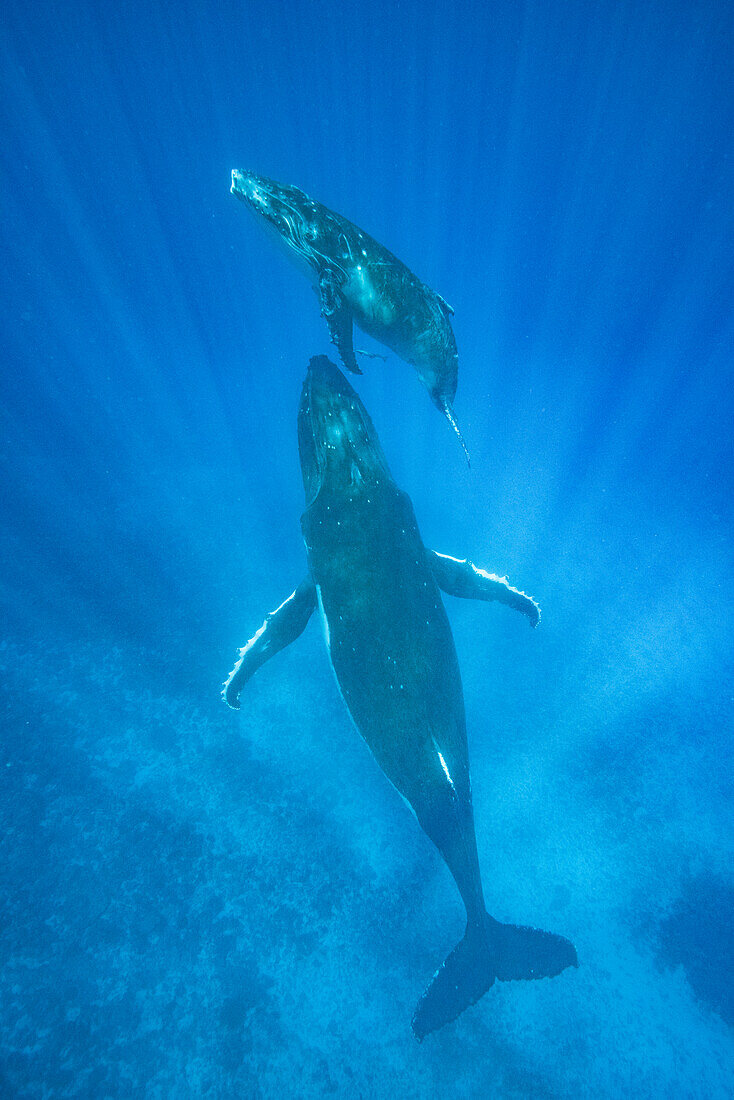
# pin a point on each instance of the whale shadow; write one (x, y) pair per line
(699, 936)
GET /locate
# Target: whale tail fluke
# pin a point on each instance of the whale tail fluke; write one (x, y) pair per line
(505, 952)
(464, 977)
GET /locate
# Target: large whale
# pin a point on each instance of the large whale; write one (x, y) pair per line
(391, 648)
(359, 281)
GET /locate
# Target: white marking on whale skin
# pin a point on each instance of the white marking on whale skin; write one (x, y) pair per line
(480, 572)
(444, 765)
(245, 649)
(525, 603)
(280, 608)
(325, 625)
(242, 652)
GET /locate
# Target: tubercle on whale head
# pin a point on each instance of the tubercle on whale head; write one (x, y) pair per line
(260, 191)
(284, 210)
(337, 442)
(258, 195)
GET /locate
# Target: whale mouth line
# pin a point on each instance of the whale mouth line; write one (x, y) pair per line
(282, 216)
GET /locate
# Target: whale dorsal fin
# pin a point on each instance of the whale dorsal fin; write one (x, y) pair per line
(337, 313)
(445, 304)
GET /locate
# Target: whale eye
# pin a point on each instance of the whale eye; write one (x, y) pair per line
(311, 233)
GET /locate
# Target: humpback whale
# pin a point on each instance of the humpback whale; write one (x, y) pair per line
(359, 281)
(377, 589)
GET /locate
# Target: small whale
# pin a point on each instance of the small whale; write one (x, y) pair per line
(390, 645)
(358, 281)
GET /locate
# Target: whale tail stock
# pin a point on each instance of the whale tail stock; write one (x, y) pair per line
(488, 951)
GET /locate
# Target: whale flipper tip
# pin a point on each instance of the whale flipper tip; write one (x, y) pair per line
(230, 697)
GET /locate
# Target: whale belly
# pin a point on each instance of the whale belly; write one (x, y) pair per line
(374, 309)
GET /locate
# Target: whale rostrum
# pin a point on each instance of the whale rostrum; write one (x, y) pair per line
(377, 589)
(358, 281)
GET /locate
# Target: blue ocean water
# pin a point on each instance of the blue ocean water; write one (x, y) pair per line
(197, 903)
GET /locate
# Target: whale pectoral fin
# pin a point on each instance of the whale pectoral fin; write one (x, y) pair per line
(281, 627)
(463, 579)
(338, 315)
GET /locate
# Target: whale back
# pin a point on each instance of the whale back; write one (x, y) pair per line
(388, 635)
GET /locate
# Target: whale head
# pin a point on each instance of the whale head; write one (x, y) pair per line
(337, 442)
(287, 213)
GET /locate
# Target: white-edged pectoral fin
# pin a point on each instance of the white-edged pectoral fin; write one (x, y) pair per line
(463, 579)
(281, 627)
